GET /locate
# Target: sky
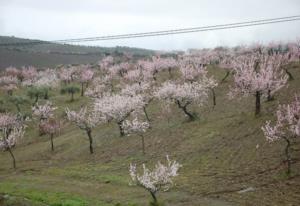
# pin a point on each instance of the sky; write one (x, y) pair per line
(65, 19)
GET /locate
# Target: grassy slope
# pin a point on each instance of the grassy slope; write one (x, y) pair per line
(218, 153)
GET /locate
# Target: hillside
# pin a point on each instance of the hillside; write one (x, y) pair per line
(50, 54)
(222, 152)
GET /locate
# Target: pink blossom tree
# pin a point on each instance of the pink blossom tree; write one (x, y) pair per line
(51, 127)
(85, 120)
(134, 76)
(118, 108)
(85, 77)
(192, 69)
(143, 89)
(12, 129)
(159, 179)
(67, 75)
(28, 75)
(136, 127)
(12, 71)
(226, 63)
(168, 64)
(100, 86)
(183, 95)
(46, 80)
(287, 127)
(43, 113)
(106, 62)
(294, 49)
(258, 77)
(8, 84)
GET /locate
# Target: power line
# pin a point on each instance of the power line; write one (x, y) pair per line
(178, 32)
(165, 32)
(186, 30)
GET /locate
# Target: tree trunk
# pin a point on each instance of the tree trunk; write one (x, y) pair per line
(46, 96)
(13, 158)
(214, 97)
(82, 89)
(154, 198)
(225, 77)
(146, 114)
(51, 140)
(36, 100)
(257, 102)
(184, 109)
(89, 133)
(270, 97)
(154, 75)
(288, 156)
(121, 128)
(18, 108)
(170, 72)
(143, 144)
(289, 74)
(72, 96)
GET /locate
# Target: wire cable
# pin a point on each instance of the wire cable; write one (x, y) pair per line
(163, 32)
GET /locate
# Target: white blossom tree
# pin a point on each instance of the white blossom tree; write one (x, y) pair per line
(85, 120)
(159, 179)
(136, 127)
(258, 77)
(12, 129)
(118, 107)
(143, 89)
(8, 84)
(51, 127)
(86, 76)
(183, 95)
(43, 113)
(287, 127)
(194, 68)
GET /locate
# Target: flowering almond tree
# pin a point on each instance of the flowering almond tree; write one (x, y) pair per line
(150, 68)
(46, 79)
(134, 76)
(136, 127)
(258, 77)
(183, 95)
(85, 77)
(190, 73)
(286, 128)
(12, 71)
(8, 84)
(106, 62)
(118, 107)
(85, 120)
(100, 86)
(51, 127)
(12, 129)
(28, 75)
(43, 113)
(67, 75)
(159, 179)
(192, 70)
(168, 64)
(144, 89)
(226, 64)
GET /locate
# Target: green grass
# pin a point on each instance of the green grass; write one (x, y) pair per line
(218, 153)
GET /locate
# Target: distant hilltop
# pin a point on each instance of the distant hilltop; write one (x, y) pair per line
(21, 52)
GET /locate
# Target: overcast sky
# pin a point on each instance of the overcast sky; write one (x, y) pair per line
(63, 19)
